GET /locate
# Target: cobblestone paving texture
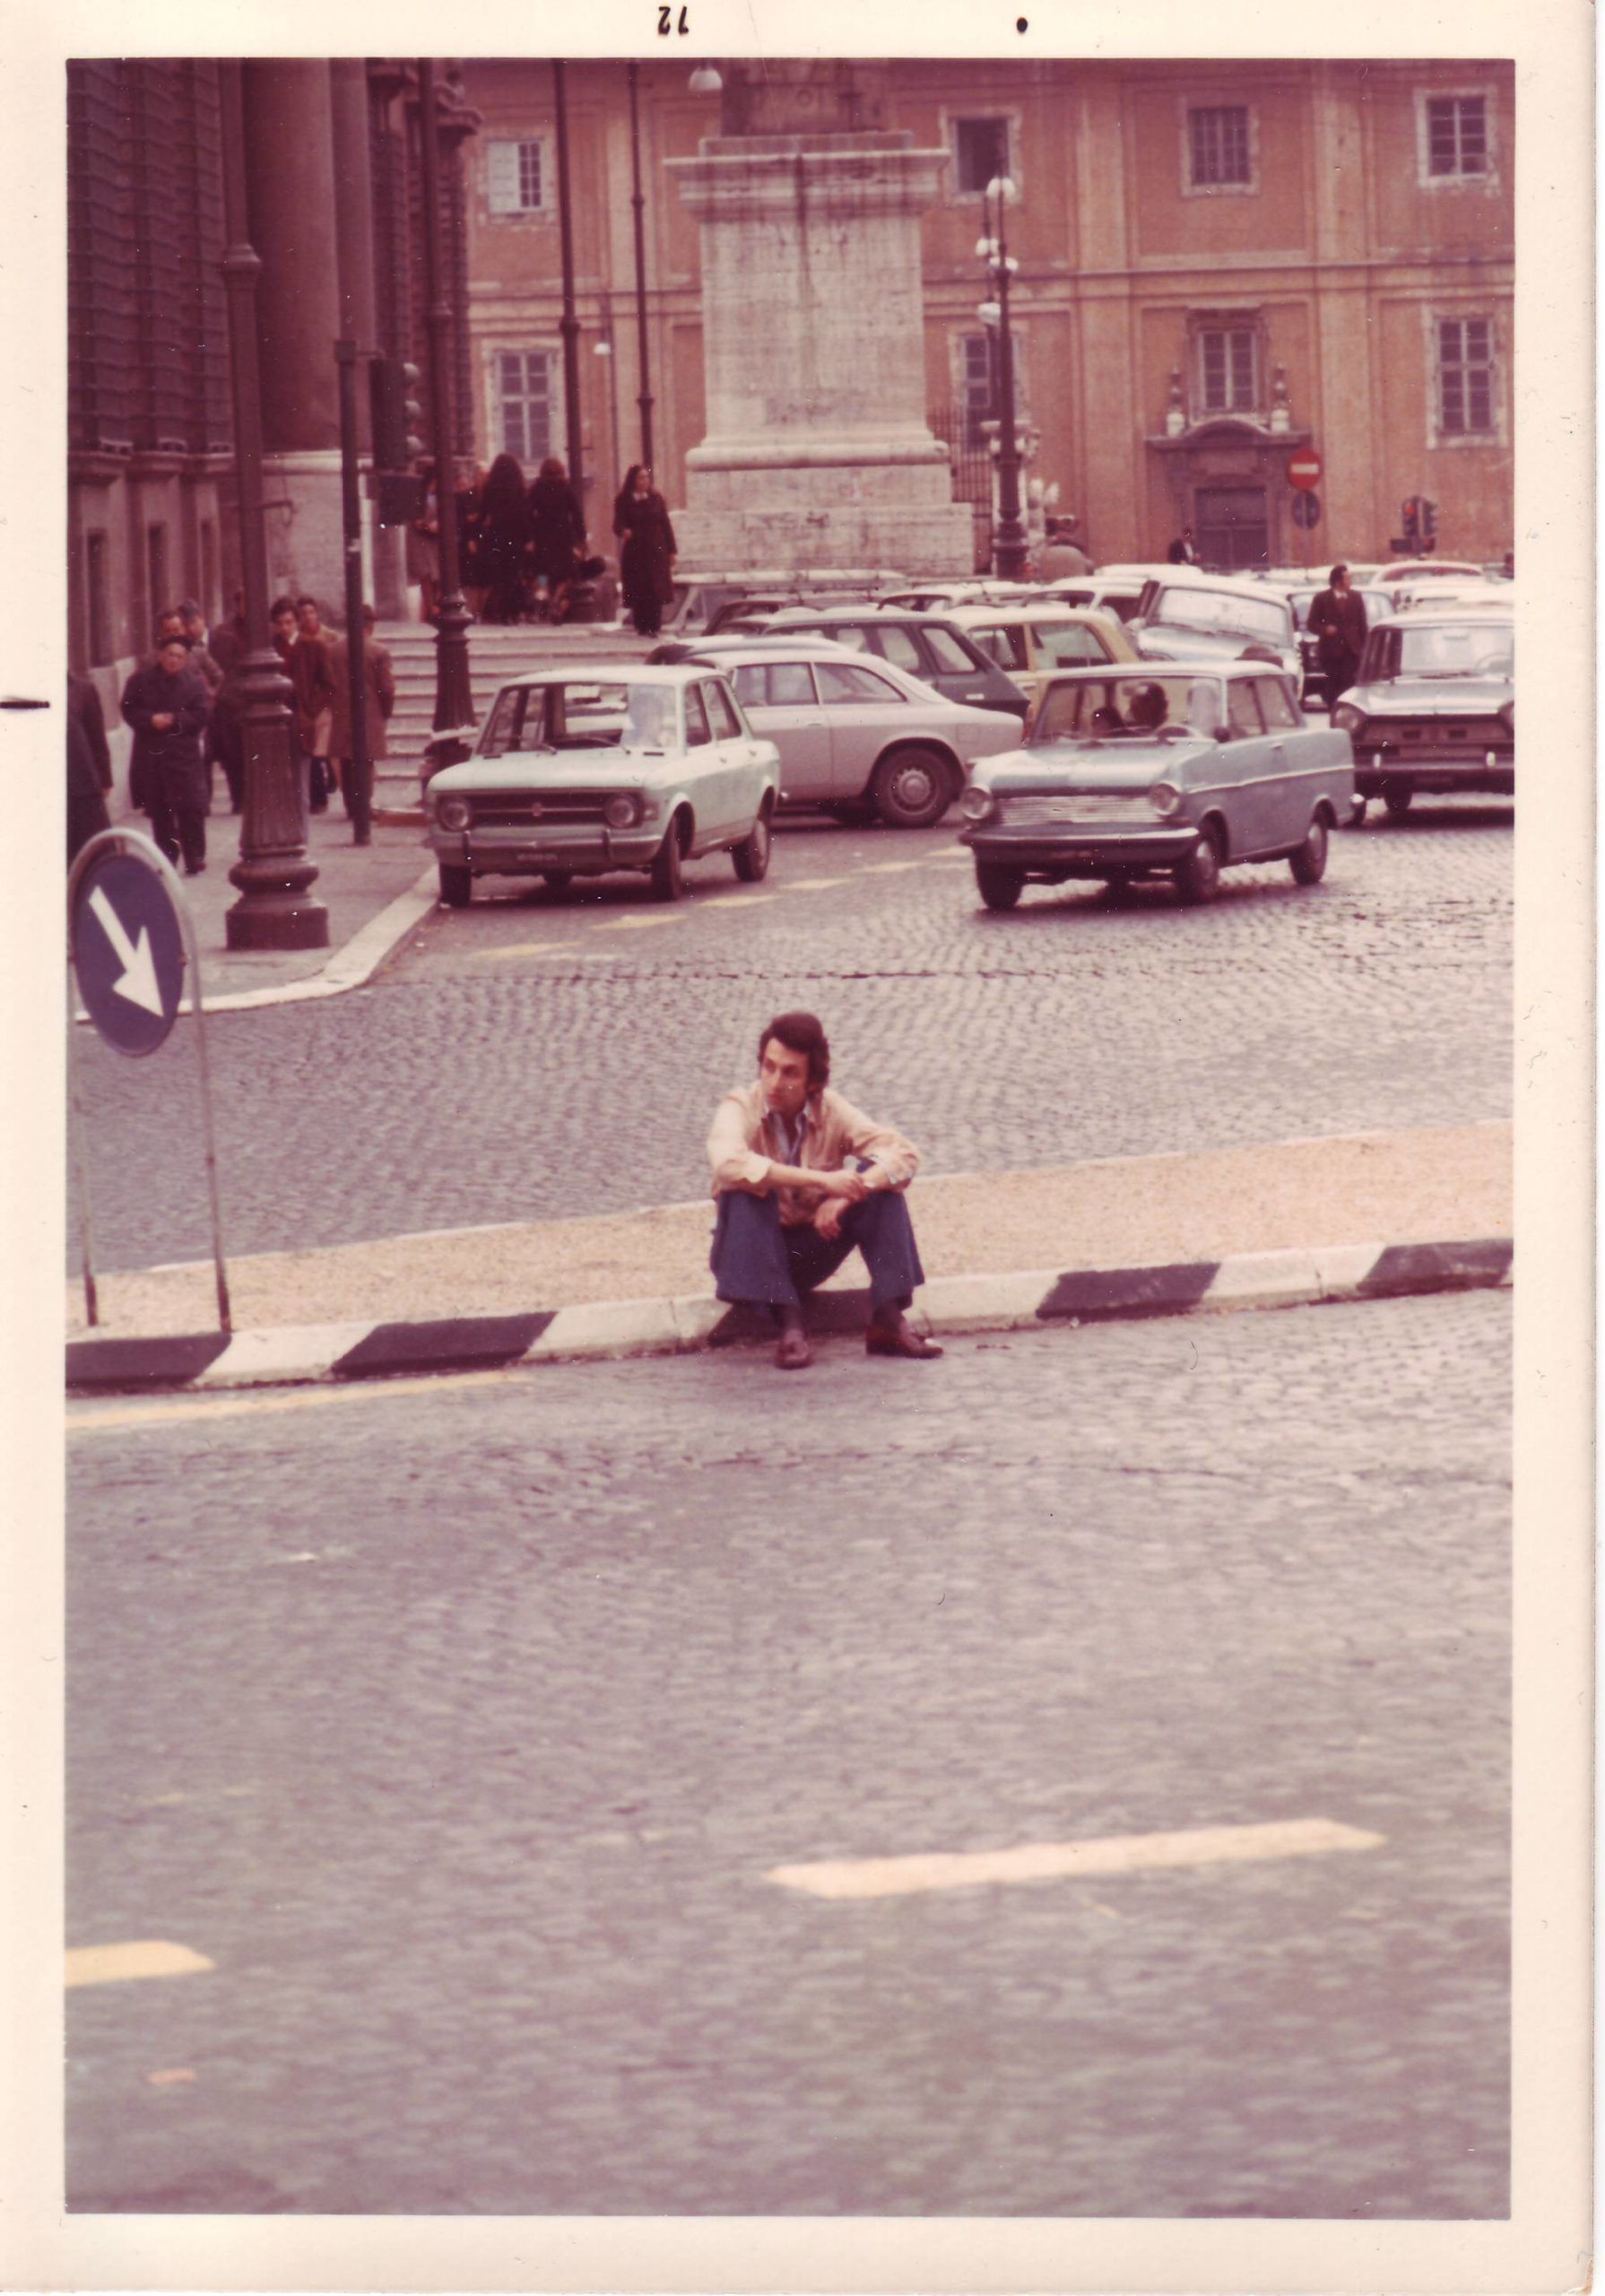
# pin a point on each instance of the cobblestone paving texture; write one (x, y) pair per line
(529, 1060)
(461, 1728)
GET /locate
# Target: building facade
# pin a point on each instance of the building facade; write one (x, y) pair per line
(1221, 263)
(334, 192)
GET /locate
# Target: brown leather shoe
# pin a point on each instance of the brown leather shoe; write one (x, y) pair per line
(901, 1340)
(793, 1353)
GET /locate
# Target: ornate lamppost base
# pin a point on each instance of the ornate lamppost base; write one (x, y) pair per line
(274, 917)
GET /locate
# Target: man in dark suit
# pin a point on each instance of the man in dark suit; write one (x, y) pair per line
(1338, 618)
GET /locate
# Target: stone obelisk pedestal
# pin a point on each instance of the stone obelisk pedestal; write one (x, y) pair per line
(818, 451)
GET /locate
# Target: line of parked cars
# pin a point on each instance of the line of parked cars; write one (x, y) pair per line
(1164, 729)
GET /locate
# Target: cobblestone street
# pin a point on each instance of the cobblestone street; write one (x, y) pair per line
(527, 1058)
(461, 1725)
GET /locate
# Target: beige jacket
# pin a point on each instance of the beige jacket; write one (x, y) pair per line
(742, 1144)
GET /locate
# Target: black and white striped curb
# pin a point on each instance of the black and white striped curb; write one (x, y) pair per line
(618, 1327)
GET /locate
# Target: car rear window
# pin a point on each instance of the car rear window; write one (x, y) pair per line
(950, 653)
(1188, 609)
(1005, 643)
(847, 683)
(1070, 644)
(898, 645)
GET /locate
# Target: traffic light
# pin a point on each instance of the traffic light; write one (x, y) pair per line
(397, 415)
(1412, 522)
(1429, 524)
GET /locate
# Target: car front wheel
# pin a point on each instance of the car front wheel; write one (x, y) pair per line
(1309, 863)
(1198, 878)
(668, 877)
(999, 888)
(752, 855)
(456, 885)
(912, 788)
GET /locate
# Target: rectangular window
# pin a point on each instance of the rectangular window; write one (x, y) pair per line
(1457, 135)
(1465, 376)
(524, 393)
(1227, 383)
(519, 179)
(209, 600)
(156, 571)
(100, 650)
(1219, 146)
(980, 152)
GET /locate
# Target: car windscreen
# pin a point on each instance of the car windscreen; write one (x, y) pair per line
(1104, 708)
(589, 714)
(1188, 609)
(1069, 644)
(1443, 649)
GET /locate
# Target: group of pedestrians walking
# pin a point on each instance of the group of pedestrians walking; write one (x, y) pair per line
(184, 704)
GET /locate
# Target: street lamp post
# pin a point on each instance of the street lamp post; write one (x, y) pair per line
(454, 695)
(569, 327)
(637, 203)
(1009, 546)
(272, 873)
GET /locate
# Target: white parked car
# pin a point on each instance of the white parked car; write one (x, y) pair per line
(1032, 640)
(579, 772)
(1188, 616)
(854, 730)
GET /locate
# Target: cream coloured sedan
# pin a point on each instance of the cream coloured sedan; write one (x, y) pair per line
(854, 731)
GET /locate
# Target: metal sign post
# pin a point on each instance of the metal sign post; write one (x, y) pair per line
(130, 936)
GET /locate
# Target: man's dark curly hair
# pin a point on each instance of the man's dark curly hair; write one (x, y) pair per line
(801, 1032)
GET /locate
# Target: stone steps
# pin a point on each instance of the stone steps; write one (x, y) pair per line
(494, 655)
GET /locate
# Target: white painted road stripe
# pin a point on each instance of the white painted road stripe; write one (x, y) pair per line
(1054, 1861)
(141, 1957)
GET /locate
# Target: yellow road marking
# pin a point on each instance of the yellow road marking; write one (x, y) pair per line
(811, 884)
(1052, 1861)
(141, 1957)
(227, 1404)
(643, 924)
(888, 868)
(743, 901)
(522, 949)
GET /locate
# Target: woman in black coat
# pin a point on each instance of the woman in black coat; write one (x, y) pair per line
(501, 524)
(641, 521)
(557, 533)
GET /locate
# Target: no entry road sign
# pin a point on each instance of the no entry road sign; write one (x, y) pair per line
(1307, 510)
(1304, 468)
(128, 950)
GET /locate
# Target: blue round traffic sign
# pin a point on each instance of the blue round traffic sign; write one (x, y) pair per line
(1307, 510)
(128, 950)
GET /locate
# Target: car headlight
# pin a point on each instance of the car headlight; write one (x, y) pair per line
(622, 812)
(1507, 710)
(453, 813)
(1165, 797)
(1347, 719)
(976, 803)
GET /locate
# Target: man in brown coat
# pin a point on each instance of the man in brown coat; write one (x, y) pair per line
(313, 678)
(378, 687)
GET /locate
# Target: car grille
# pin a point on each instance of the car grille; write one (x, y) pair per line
(1082, 805)
(518, 809)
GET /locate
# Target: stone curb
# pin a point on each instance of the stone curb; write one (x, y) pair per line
(621, 1328)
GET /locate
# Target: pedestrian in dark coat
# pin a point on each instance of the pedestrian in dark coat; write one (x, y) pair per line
(557, 535)
(89, 764)
(641, 521)
(168, 706)
(1338, 618)
(501, 524)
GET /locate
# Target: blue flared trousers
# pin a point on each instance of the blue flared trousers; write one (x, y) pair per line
(756, 1260)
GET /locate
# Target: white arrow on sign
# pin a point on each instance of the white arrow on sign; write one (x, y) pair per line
(139, 984)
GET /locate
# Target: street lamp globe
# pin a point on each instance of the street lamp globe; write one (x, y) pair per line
(706, 81)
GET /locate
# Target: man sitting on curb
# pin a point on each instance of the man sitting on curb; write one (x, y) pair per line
(802, 1177)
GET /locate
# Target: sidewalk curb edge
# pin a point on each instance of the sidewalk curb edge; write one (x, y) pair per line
(342, 1352)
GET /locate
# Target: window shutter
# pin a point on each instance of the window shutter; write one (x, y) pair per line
(501, 161)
